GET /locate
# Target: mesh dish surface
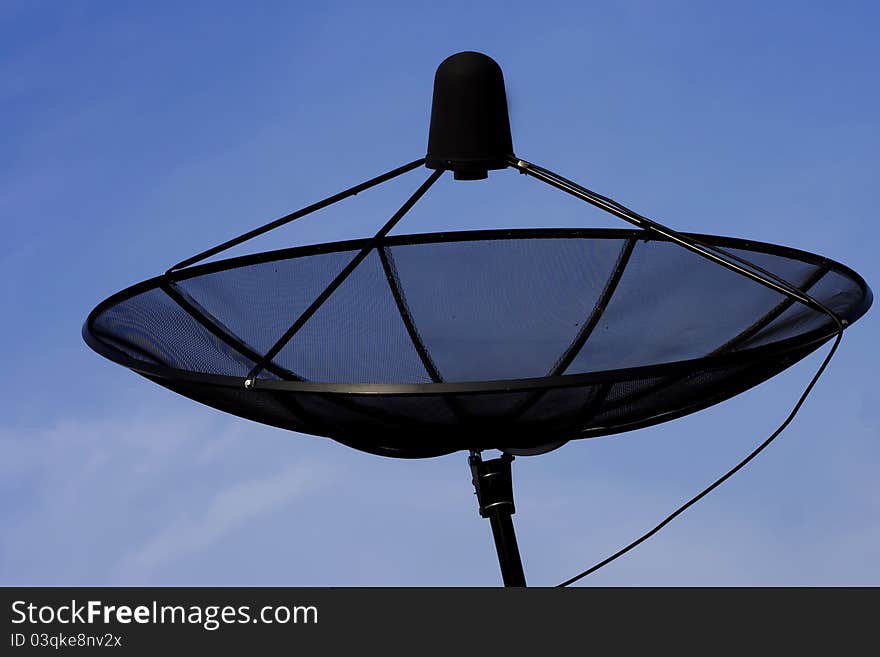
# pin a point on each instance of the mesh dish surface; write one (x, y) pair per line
(513, 339)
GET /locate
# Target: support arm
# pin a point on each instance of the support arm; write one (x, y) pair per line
(340, 278)
(494, 487)
(286, 219)
(716, 255)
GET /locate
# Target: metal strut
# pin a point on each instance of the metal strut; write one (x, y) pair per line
(721, 257)
(715, 254)
(340, 278)
(286, 219)
(494, 488)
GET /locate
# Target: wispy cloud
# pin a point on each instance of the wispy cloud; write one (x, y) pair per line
(175, 495)
(122, 499)
(229, 510)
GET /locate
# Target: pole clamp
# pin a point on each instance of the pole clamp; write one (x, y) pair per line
(493, 484)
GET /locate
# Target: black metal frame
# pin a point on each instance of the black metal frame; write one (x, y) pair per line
(725, 259)
(390, 269)
(492, 478)
(346, 393)
(340, 278)
(293, 216)
(816, 337)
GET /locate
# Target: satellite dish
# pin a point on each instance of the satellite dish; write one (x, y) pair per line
(420, 345)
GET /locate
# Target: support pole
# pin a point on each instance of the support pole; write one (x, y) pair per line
(494, 488)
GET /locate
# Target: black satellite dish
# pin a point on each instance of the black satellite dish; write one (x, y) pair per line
(520, 340)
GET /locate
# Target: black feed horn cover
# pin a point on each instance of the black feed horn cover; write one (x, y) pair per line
(470, 127)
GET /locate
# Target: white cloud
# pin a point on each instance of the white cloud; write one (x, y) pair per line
(111, 500)
(175, 496)
(229, 510)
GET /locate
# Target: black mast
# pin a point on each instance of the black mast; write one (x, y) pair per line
(494, 486)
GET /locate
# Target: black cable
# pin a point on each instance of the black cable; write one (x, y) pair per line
(644, 537)
(697, 246)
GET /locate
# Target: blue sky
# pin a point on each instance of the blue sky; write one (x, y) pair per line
(135, 134)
